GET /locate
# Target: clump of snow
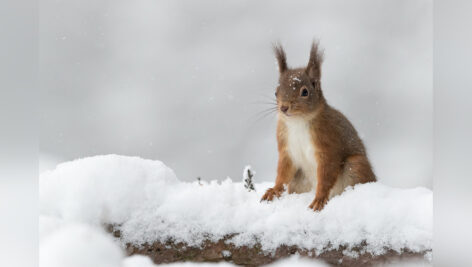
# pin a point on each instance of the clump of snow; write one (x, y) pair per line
(147, 203)
(226, 253)
(193, 264)
(48, 225)
(78, 245)
(298, 261)
(142, 261)
(103, 189)
(428, 256)
(138, 261)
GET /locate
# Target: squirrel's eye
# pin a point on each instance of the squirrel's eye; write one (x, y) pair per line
(304, 92)
(275, 93)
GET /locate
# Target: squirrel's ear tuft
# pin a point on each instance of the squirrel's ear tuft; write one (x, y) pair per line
(281, 58)
(313, 68)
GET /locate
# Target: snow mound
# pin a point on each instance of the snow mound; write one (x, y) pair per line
(142, 261)
(78, 245)
(103, 188)
(298, 262)
(147, 203)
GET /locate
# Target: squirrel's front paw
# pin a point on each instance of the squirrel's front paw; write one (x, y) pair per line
(271, 193)
(318, 204)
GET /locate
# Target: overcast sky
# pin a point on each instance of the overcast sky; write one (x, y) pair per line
(184, 82)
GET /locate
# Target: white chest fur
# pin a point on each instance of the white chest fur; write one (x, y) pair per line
(300, 146)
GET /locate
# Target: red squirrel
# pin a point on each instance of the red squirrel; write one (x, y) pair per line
(318, 146)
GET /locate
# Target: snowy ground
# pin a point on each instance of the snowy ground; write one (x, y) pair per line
(149, 203)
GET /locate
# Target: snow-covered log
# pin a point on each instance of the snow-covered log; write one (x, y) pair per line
(211, 251)
(151, 212)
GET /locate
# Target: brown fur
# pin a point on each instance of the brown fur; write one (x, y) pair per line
(339, 154)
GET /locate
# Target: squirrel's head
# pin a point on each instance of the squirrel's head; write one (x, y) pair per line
(299, 90)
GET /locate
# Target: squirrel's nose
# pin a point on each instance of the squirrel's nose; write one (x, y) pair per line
(284, 108)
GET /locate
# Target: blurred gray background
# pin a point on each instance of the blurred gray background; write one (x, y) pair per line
(185, 82)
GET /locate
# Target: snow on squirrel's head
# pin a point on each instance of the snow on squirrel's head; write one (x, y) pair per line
(299, 90)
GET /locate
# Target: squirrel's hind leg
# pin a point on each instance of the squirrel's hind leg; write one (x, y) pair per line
(359, 169)
(356, 170)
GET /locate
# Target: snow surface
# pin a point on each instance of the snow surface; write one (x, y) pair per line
(149, 203)
(299, 262)
(142, 261)
(78, 245)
